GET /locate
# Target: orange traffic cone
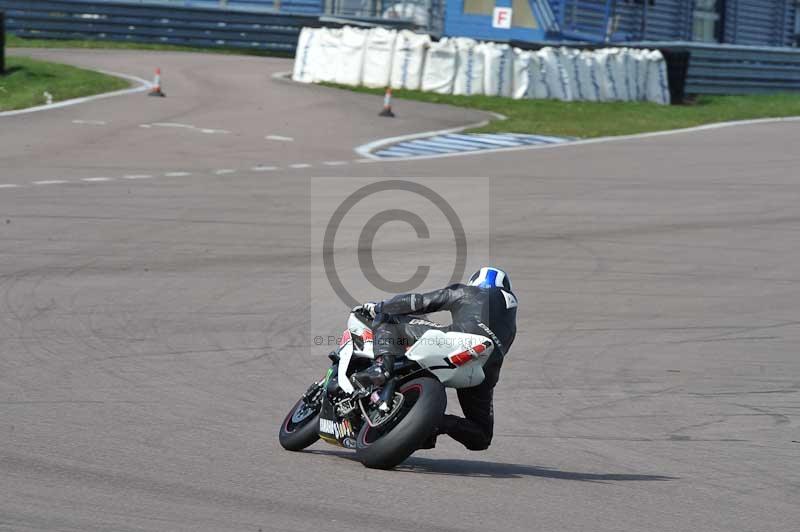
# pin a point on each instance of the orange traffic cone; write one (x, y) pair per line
(387, 104)
(156, 90)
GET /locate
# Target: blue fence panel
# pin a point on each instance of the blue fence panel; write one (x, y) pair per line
(668, 20)
(759, 22)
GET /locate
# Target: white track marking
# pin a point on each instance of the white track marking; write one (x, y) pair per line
(143, 86)
(90, 122)
(172, 124)
(300, 165)
(50, 182)
(177, 174)
(176, 125)
(364, 161)
(137, 176)
(225, 171)
(335, 163)
(97, 179)
(263, 168)
(280, 138)
(8, 185)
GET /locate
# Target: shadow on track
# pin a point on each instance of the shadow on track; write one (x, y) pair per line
(481, 468)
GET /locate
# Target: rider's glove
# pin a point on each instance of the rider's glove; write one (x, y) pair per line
(368, 308)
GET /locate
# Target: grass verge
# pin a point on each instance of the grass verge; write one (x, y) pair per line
(25, 81)
(592, 119)
(12, 41)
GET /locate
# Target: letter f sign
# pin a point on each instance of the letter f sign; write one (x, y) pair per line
(502, 18)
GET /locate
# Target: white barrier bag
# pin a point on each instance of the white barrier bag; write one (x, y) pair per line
(524, 78)
(605, 74)
(639, 64)
(378, 57)
(587, 78)
(498, 70)
(566, 60)
(408, 60)
(554, 75)
(328, 55)
(351, 56)
(304, 60)
(440, 67)
(623, 72)
(657, 79)
(469, 67)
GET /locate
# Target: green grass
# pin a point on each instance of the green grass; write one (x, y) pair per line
(591, 119)
(25, 81)
(12, 41)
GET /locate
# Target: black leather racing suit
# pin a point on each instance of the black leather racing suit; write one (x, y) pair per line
(490, 312)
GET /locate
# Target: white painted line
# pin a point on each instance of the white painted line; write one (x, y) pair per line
(368, 160)
(50, 182)
(8, 185)
(279, 138)
(143, 86)
(172, 124)
(90, 122)
(207, 131)
(177, 174)
(138, 176)
(300, 165)
(96, 179)
(225, 171)
(264, 168)
(335, 163)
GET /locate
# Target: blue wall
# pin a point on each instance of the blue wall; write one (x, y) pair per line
(748, 22)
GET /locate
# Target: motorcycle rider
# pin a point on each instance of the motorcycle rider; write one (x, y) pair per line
(485, 306)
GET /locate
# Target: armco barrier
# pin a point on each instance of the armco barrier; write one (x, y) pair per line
(149, 23)
(732, 69)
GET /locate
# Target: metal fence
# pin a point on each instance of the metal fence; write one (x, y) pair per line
(63, 19)
(176, 22)
(731, 69)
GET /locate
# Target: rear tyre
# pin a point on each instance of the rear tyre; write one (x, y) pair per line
(424, 402)
(300, 427)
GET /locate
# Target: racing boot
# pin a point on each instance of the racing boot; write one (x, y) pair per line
(387, 394)
(447, 423)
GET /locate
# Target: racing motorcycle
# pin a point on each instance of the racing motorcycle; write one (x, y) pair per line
(344, 411)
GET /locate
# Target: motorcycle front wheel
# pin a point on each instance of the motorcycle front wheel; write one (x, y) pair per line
(300, 427)
(385, 446)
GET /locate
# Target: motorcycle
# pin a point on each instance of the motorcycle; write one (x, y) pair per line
(345, 411)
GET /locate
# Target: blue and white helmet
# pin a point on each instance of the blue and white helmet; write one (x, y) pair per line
(487, 277)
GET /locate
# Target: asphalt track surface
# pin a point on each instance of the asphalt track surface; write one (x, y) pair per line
(152, 331)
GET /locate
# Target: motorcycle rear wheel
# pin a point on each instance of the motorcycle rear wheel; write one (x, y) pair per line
(384, 447)
(300, 427)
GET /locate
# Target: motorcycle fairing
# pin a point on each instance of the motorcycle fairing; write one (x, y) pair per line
(455, 358)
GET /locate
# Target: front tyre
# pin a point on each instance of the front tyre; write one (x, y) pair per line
(300, 427)
(424, 402)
